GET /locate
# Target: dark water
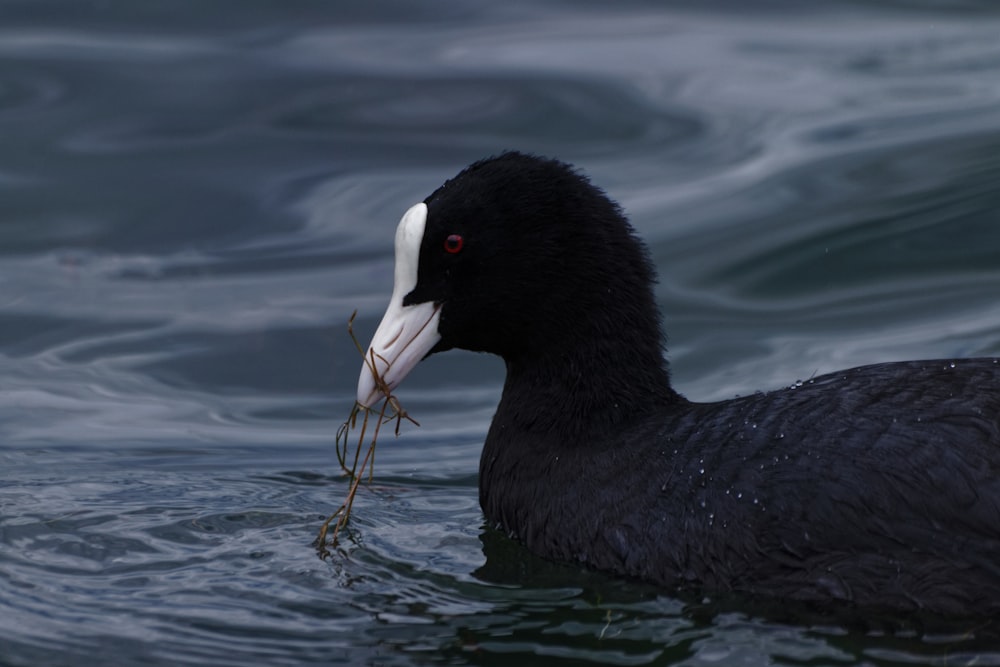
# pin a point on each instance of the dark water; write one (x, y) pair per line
(194, 197)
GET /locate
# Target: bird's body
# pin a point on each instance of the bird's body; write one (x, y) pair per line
(833, 490)
(877, 486)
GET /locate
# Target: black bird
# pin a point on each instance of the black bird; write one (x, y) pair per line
(877, 486)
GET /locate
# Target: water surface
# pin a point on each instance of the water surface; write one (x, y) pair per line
(194, 198)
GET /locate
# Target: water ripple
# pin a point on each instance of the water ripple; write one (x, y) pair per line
(26, 91)
(194, 202)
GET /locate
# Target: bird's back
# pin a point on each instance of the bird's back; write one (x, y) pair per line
(878, 486)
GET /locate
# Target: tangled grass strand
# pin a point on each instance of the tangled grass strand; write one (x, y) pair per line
(389, 409)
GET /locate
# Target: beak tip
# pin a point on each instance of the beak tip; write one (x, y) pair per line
(367, 401)
(368, 393)
(403, 338)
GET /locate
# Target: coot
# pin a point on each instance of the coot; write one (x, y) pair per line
(876, 486)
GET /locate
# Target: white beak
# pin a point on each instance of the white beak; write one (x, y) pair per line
(406, 333)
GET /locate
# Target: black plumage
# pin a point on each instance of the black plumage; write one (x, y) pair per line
(877, 486)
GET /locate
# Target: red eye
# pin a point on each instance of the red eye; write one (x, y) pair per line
(453, 243)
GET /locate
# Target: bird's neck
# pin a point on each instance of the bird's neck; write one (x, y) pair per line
(585, 384)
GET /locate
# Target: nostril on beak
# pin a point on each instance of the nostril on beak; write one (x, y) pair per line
(394, 338)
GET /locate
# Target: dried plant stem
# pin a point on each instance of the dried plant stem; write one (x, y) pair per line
(389, 409)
